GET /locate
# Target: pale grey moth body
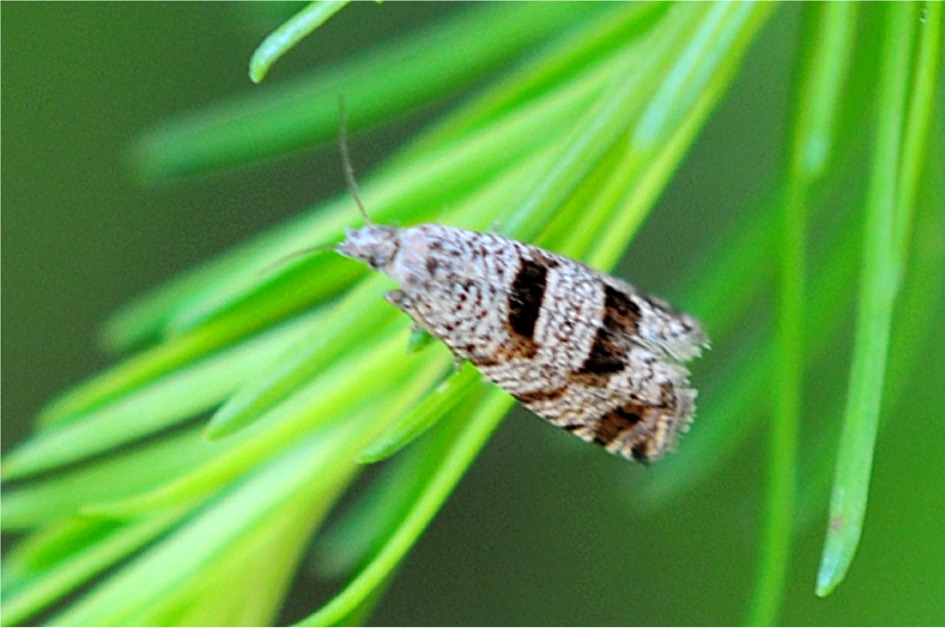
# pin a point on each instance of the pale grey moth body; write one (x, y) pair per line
(583, 350)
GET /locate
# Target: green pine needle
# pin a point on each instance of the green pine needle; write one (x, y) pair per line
(888, 211)
(828, 35)
(284, 38)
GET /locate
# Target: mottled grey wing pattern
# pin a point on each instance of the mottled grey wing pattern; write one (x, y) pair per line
(585, 351)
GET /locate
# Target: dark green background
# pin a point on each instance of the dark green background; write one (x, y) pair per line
(542, 530)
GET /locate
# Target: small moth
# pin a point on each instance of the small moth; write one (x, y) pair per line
(583, 350)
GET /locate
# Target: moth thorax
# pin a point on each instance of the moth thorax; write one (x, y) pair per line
(418, 262)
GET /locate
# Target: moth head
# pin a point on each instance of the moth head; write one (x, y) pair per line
(376, 245)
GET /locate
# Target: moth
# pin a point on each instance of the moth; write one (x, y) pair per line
(583, 350)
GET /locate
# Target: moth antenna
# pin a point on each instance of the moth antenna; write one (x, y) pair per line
(346, 158)
(288, 257)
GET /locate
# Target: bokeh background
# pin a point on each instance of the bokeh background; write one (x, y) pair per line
(542, 530)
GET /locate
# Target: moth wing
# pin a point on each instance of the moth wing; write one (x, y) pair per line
(661, 328)
(637, 413)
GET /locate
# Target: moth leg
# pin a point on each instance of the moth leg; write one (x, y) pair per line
(402, 302)
(420, 334)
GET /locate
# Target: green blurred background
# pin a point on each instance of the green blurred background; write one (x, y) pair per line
(543, 529)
